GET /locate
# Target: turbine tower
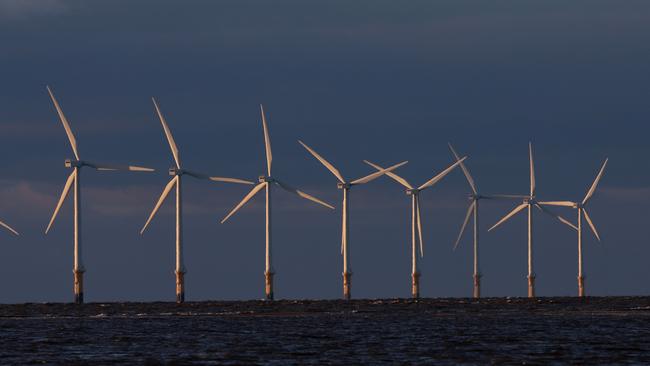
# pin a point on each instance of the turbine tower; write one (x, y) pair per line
(177, 173)
(73, 180)
(416, 221)
(528, 202)
(582, 210)
(266, 182)
(345, 227)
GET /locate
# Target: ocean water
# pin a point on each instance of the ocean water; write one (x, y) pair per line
(597, 330)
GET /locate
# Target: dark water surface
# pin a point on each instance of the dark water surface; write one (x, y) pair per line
(606, 330)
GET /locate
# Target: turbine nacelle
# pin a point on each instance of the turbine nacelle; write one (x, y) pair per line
(69, 163)
(265, 179)
(346, 185)
(412, 191)
(174, 171)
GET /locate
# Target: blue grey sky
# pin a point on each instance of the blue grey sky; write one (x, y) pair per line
(379, 80)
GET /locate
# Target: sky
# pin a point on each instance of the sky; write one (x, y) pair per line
(377, 80)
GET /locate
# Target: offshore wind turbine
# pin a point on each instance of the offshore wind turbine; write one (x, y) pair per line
(73, 180)
(345, 227)
(416, 221)
(582, 210)
(177, 173)
(266, 182)
(528, 202)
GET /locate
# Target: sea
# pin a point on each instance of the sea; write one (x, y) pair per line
(500, 331)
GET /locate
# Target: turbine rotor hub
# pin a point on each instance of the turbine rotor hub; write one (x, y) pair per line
(340, 185)
(412, 191)
(174, 171)
(265, 179)
(69, 163)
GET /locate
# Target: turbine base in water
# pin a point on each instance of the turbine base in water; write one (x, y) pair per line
(531, 285)
(477, 286)
(78, 286)
(268, 276)
(180, 286)
(415, 285)
(581, 286)
(347, 285)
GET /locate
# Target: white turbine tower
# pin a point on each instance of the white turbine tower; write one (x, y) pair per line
(177, 173)
(73, 179)
(528, 202)
(345, 227)
(582, 210)
(266, 182)
(416, 221)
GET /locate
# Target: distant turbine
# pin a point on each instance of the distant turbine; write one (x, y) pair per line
(529, 202)
(74, 177)
(416, 222)
(345, 228)
(177, 172)
(581, 207)
(472, 210)
(265, 182)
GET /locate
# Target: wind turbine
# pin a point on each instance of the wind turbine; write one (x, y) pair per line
(582, 210)
(416, 221)
(266, 182)
(528, 202)
(345, 228)
(177, 173)
(73, 180)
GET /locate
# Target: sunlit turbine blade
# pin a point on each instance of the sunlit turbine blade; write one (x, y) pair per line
(442, 174)
(64, 194)
(326, 163)
(250, 195)
(396, 177)
(470, 209)
(66, 125)
(164, 195)
(595, 184)
(419, 222)
(532, 169)
(511, 214)
(267, 142)
(375, 175)
(553, 214)
(9, 228)
(302, 194)
(231, 180)
(470, 180)
(131, 168)
(558, 203)
(168, 134)
(591, 224)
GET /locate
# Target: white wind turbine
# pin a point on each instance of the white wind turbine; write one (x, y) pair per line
(416, 221)
(528, 202)
(265, 182)
(582, 210)
(345, 227)
(73, 179)
(177, 173)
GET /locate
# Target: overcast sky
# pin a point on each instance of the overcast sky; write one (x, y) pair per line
(378, 80)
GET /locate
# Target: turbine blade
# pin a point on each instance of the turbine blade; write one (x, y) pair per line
(302, 194)
(470, 209)
(267, 142)
(396, 177)
(511, 214)
(375, 175)
(470, 180)
(217, 179)
(595, 184)
(250, 195)
(553, 214)
(419, 222)
(131, 168)
(326, 163)
(532, 169)
(9, 228)
(64, 194)
(442, 174)
(164, 195)
(168, 134)
(558, 203)
(66, 125)
(591, 224)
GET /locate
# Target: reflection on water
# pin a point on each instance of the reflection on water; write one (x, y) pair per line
(440, 331)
